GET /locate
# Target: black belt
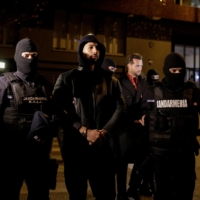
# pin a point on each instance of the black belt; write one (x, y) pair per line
(160, 136)
(160, 151)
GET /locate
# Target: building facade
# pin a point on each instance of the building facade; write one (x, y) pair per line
(152, 28)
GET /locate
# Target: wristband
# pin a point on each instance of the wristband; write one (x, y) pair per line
(85, 133)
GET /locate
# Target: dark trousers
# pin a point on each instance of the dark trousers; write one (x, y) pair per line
(121, 175)
(17, 165)
(93, 164)
(131, 146)
(13, 177)
(174, 176)
(141, 172)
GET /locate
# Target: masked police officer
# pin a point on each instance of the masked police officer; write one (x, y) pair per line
(173, 125)
(152, 76)
(22, 93)
(109, 66)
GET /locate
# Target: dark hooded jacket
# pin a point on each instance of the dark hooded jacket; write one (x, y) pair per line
(82, 97)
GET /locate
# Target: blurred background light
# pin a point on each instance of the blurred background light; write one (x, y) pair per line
(2, 65)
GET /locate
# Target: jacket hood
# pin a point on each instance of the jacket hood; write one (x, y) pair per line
(82, 42)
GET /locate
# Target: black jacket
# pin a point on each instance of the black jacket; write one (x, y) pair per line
(29, 100)
(172, 116)
(75, 95)
(84, 97)
(133, 97)
(131, 141)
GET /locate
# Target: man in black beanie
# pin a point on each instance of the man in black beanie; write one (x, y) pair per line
(22, 93)
(173, 124)
(152, 76)
(89, 112)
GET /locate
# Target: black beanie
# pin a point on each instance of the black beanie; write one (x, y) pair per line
(82, 42)
(174, 60)
(150, 76)
(26, 45)
(24, 65)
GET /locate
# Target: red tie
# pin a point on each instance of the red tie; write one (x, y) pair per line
(135, 82)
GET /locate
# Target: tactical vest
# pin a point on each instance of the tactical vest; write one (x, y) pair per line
(23, 101)
(173, 121)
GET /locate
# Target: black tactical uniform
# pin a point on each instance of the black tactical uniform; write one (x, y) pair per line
(22, 93)
(173, 125)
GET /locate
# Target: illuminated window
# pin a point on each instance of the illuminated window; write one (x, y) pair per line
(59, 34)
(70, 27)
(114, 35)
(192, 60)
(8, 31)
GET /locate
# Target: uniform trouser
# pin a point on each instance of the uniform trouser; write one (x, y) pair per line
(174, 176)
(142, 172)
(132, 146)
(93, 164)
(138, 174)
(17, 165)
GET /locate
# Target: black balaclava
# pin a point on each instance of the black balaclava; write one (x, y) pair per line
(150, 76)
(174, 81)
(83, 63)
(106, 63)
(27, 67)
